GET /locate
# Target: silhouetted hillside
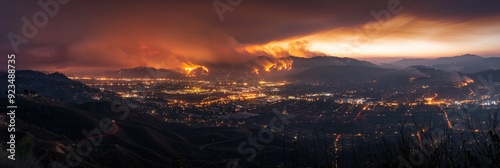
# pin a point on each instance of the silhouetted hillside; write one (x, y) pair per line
(55, 85)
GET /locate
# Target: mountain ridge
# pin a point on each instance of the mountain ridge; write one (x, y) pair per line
(467, 63)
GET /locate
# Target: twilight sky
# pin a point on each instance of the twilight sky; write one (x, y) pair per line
(111, 34)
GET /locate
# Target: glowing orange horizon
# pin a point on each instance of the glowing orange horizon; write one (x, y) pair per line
(403, 36)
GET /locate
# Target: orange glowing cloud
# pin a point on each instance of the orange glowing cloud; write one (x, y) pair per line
(409, 36)
(282, 49)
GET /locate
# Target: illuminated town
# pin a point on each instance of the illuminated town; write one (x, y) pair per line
(378, 109)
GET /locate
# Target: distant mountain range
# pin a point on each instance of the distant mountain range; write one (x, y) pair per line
(259, 66)
(348, 73)
(465, 63)
(325, 68)
(307, 63)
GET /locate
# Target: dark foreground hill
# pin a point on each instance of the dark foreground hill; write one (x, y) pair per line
(55, 85)
(133, 140)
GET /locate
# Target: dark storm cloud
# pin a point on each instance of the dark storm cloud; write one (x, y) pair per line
(118, 33)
